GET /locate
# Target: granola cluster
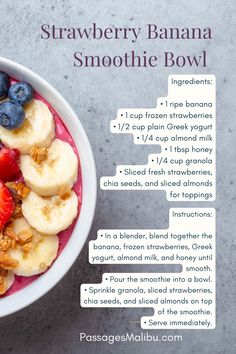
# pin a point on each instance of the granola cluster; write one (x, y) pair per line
(9, 239)
(38, 154)
(19, 191)
(7, 262)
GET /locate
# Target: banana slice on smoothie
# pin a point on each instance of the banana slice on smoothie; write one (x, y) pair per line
(6, 280)
(59, 168)
(50, 215)
(38, 129)
(40, 251)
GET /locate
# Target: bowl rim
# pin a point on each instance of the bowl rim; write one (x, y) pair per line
(39, 287)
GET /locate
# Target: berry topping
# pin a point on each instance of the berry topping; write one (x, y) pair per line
(11, 115)
(6, 205)
(9, 169)
(4, 85)
(20, 92)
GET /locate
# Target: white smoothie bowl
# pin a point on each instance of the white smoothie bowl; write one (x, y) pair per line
(62, 264)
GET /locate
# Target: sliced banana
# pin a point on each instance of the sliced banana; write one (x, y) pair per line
(60, 168)
(8, 281)
(50, 215)
(41, 254)
(38, 129)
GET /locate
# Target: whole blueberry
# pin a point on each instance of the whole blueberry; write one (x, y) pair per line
(11, 115)
(20, 92)
(4, 85)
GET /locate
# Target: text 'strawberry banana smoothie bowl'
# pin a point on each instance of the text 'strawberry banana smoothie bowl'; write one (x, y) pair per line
(40, 185)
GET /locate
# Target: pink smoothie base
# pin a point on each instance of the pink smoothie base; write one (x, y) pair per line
(63, 134)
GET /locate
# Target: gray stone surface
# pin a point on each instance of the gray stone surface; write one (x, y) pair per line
(52, 324)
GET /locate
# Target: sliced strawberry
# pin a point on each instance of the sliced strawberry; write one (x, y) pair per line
(9, 169)
(16, 154)
(6, 205)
